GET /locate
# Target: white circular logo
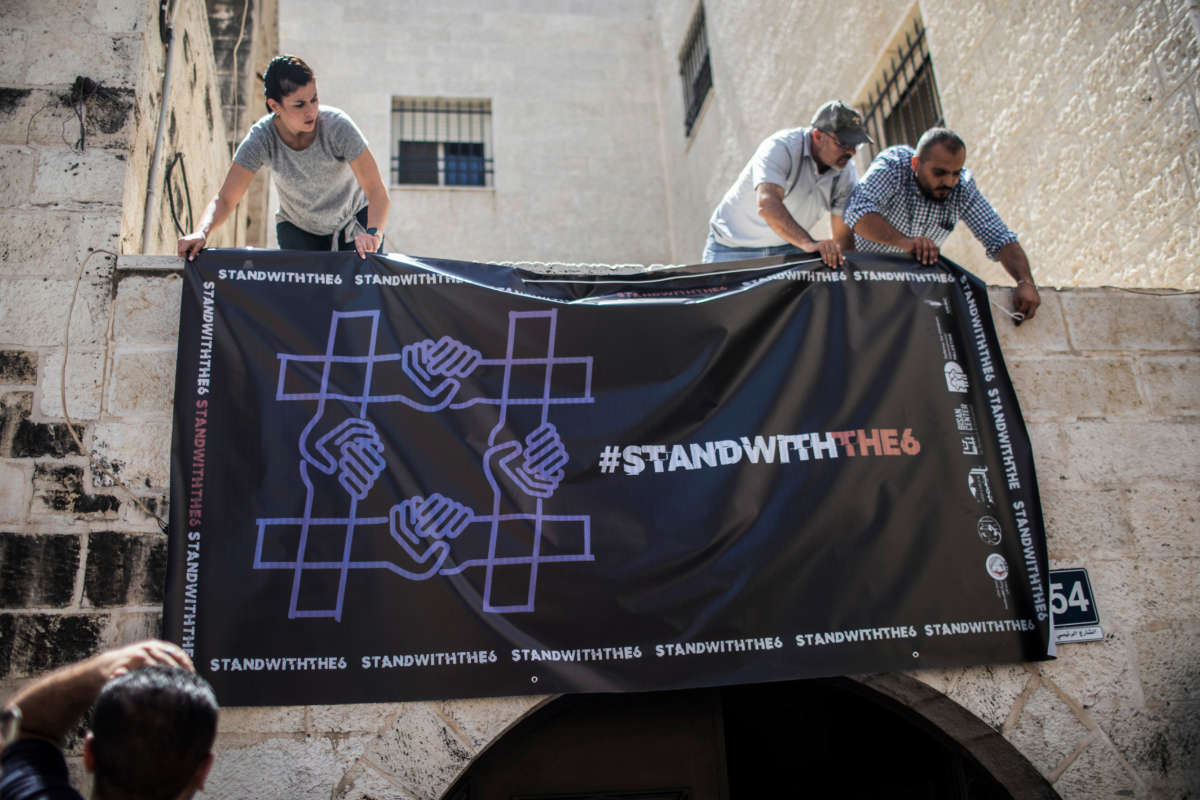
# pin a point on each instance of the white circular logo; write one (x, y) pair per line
(997, 567)
(989, 530)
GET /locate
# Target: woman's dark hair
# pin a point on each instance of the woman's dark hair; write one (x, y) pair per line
(284, 75)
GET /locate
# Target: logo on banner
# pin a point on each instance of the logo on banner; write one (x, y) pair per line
(997, 567)
(980, 486)
(989, 531)
(949, 351)
(964, 419)
(941, 305)
(341, 455)
(970, 445)
(956, 379)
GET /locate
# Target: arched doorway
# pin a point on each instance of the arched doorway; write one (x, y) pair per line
(884, 736)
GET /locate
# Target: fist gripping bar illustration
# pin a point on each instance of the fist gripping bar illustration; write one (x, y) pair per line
(341, 457)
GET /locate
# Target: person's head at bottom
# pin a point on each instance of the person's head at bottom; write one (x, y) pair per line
(151, 735)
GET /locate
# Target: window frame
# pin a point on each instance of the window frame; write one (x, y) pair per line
(444, 134)
(695, 70)
(905, 95)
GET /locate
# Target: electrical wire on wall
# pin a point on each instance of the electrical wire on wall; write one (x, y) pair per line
(172, 195)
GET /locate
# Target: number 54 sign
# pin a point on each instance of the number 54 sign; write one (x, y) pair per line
(1073, 607)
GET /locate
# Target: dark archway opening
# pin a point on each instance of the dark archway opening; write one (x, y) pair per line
(882, 737)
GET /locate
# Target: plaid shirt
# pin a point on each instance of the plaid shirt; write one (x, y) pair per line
(890, 189)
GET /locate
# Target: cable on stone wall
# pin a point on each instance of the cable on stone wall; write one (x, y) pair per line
(187, 192)
(1017, 316)
(81, 91)
(162, 524)
(76, 99)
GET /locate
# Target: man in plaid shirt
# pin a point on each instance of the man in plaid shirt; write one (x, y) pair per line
(909, 201)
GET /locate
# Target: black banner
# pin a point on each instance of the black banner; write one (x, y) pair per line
(396, 479)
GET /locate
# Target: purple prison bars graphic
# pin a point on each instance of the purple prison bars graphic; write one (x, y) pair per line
(350, 450)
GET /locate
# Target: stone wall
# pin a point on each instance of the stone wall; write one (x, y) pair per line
(1109, 382)
(81, 84)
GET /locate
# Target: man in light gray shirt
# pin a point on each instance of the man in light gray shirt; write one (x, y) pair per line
(794, 178)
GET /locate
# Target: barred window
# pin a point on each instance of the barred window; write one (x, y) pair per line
(695, 70)
(904, 102)
(441, 142)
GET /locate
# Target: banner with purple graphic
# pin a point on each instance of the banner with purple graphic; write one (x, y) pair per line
(398, 479)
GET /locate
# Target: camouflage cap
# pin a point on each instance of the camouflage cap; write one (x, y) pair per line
(843, 122)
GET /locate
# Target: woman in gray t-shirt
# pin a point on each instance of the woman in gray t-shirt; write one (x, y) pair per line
(331, 196)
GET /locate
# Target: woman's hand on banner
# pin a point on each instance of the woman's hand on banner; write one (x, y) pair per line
(367, 243)
(189, 246)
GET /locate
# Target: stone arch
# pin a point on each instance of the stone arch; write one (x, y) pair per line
(652, 745)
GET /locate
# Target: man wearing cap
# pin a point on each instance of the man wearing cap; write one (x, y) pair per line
(909, 201)
(794, 178)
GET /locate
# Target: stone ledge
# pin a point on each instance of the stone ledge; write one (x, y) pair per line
(140, 263)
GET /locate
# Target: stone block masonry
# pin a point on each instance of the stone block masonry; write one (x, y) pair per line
(34, 643)
(20, 437)
(38, 570)
(125, 569)
(18, 366)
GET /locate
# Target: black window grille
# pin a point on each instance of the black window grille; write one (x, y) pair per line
(695, 70)
(904, 103)
(417, 162)
(439, 142)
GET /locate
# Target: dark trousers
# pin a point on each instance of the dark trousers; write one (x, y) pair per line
(293, 238)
